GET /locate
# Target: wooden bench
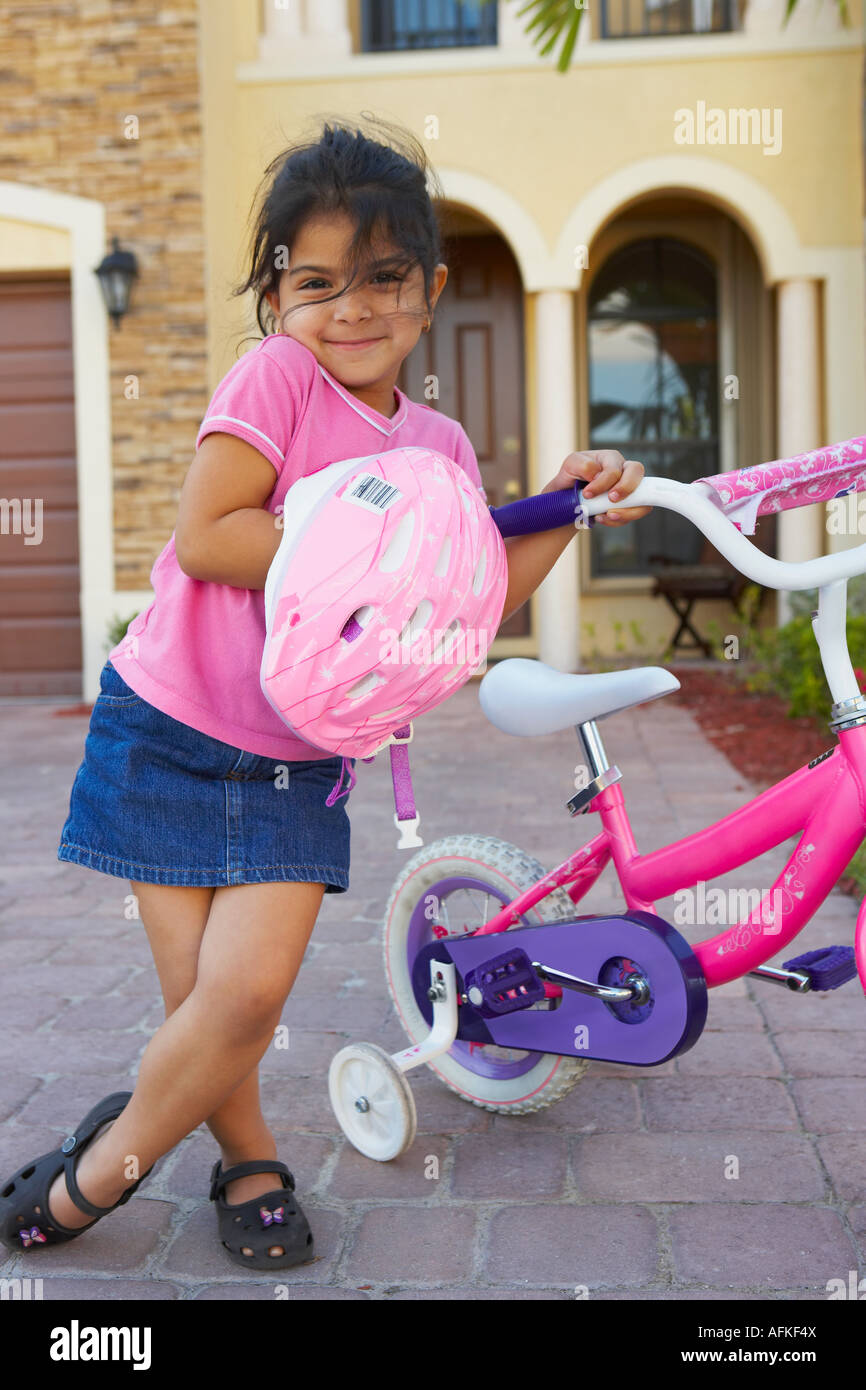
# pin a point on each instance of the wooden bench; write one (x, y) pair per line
(713, 577)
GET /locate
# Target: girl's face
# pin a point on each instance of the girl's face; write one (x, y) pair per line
(362, 337)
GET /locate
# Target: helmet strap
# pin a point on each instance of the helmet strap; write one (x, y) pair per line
(406, 817)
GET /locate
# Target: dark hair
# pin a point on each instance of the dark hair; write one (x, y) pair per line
(381, 186)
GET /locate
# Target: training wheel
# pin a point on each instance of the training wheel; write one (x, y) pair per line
(372, 1101)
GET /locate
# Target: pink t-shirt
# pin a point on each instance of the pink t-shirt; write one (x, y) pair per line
(195, 653)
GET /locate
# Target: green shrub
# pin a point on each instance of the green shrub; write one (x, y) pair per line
(748, 624)
(855, 599)
(628, 655)
(786, 660)
(591, 658)
(117, 629)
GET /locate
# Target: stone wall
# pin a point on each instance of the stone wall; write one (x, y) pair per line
(76, 81)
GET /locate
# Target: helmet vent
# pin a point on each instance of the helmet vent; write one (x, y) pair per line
(398, 546)
(480, 571)
(417, 622)
(355, 625)
(444, 557)
(446, 641)
(363, 687)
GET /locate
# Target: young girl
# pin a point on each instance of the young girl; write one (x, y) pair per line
(179, 790)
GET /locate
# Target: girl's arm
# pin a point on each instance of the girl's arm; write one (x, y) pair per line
(531, 558)
(223, 532)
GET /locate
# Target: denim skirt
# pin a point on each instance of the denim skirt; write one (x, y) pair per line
(156, 801)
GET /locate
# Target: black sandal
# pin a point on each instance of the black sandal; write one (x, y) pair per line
(24, 1209)
(275, 1218)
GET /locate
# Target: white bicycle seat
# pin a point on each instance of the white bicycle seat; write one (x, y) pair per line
(526, 697)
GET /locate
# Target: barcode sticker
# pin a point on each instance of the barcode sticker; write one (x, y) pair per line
(372, 493)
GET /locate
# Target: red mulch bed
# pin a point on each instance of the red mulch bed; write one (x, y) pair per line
(753, 730)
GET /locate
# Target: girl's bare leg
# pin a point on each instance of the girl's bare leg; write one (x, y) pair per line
(201, 1064)
(175, 920)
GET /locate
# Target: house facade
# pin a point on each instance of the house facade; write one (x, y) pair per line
(659, 250)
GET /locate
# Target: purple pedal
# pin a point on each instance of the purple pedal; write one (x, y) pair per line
(503, 984)
(828, 967)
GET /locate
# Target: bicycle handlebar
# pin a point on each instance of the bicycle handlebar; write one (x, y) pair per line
(721, 531)
(548, 510)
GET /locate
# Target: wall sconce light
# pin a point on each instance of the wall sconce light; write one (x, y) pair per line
(116, 273)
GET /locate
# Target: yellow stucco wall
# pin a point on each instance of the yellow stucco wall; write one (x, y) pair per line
(24, 245)
(545, 137)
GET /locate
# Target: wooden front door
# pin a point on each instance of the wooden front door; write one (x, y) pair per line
(40, 616)
(475, 352)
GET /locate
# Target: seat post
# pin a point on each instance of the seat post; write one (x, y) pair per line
(603, 775)
(593, 747)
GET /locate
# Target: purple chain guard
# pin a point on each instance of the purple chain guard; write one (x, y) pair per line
(670, 1023)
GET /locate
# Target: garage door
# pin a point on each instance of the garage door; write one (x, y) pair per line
(40, 618)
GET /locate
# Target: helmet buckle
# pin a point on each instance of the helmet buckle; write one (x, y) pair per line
(408, 838)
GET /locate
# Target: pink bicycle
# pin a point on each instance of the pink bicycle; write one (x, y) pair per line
(506, 993)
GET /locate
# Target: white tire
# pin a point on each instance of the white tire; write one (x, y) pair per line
(372, 1101)
(508, 871)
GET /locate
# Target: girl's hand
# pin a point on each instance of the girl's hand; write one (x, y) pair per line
(605, 471)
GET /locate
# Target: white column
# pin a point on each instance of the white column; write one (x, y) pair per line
(282, 19)
(557, 596)
(326, 16)
(798, 390)
(327, 29)
(313, 31)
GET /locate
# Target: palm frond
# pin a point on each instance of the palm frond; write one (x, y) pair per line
(560, 19)
(554, 20)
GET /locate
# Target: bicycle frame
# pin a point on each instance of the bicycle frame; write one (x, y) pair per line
(826, 802)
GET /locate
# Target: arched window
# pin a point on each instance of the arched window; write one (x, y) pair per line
(653, 386)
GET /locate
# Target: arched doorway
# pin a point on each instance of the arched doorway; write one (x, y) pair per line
(653, 346)
(679, 368)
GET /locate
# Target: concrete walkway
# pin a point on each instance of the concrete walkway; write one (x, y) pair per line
(619, 1187)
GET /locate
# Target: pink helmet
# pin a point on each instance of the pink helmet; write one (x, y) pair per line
(383, 598)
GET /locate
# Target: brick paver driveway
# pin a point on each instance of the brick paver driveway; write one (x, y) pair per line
(620, 1187)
